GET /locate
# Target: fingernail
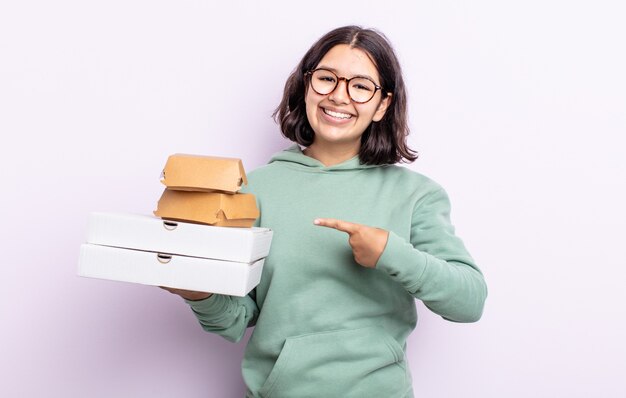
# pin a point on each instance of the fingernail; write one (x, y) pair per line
(316, 221)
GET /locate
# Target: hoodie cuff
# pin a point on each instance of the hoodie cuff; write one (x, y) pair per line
(403, 263)
(215, 305)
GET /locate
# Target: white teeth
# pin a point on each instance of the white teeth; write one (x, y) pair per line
(337, 114)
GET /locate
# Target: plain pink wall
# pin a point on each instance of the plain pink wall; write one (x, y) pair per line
(516, 109)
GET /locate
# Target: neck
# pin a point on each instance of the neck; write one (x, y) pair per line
(330, 155)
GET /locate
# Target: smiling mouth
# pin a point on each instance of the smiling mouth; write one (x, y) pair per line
(337, 115)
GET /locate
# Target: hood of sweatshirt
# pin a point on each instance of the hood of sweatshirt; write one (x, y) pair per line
(294, 157)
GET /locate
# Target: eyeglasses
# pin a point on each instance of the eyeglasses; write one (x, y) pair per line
(360, 89)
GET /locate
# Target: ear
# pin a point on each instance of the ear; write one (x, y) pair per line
(382, 108)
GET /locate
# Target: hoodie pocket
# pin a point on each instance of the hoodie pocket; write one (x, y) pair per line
(365, 362)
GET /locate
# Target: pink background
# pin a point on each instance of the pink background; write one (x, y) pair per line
(517, 109)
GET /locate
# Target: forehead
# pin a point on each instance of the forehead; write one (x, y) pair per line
(347, 61)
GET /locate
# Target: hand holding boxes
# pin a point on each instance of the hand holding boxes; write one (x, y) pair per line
(177, 250)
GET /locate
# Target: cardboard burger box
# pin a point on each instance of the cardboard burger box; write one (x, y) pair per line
(213, 208)
(147, 250)
(186, 172)
(204, 189)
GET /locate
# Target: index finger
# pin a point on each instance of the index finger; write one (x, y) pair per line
(340, 225)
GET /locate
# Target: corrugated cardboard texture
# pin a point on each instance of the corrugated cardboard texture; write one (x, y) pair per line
(213, 208)
(203, 173)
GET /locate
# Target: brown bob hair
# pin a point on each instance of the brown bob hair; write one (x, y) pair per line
(383, 142)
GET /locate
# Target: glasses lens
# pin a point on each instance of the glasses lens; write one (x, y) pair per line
(361, 89)
(323, 81)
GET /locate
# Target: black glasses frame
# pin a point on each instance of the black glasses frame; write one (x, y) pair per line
(309, 74)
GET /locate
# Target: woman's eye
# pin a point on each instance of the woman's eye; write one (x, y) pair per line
(362, 87)
(329, 79)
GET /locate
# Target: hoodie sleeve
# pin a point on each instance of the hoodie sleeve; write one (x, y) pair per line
(228, 316)
(434, 266)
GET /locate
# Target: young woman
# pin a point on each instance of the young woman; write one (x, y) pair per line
(356, 238)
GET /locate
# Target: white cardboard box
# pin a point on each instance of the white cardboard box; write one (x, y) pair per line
(150, 233)
(158, 269)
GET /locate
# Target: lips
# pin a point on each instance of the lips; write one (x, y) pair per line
(338, 115)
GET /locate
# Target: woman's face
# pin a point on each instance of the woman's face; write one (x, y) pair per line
(334, 117)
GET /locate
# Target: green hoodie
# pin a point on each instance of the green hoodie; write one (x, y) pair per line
(326, 326)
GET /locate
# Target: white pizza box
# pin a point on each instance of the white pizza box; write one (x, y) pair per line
(150, 233)
(160, 269)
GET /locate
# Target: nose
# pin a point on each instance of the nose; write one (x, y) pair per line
(340, 93)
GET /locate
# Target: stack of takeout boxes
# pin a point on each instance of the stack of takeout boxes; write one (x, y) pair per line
(202, 239)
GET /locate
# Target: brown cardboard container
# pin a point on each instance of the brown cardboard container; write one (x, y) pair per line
(186, 172)
(213, 208)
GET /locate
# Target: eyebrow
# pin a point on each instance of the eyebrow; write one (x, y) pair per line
(337, 73)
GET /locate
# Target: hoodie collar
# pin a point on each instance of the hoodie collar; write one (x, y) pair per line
(294, 155)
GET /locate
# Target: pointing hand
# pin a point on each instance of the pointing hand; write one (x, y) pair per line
(367, 242)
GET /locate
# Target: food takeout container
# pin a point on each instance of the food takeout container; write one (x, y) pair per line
(161, 269)
(213, 208)
(148, 250)
(186, 172)
(150, 233)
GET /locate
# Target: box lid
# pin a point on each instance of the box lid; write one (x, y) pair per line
(189, 172)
